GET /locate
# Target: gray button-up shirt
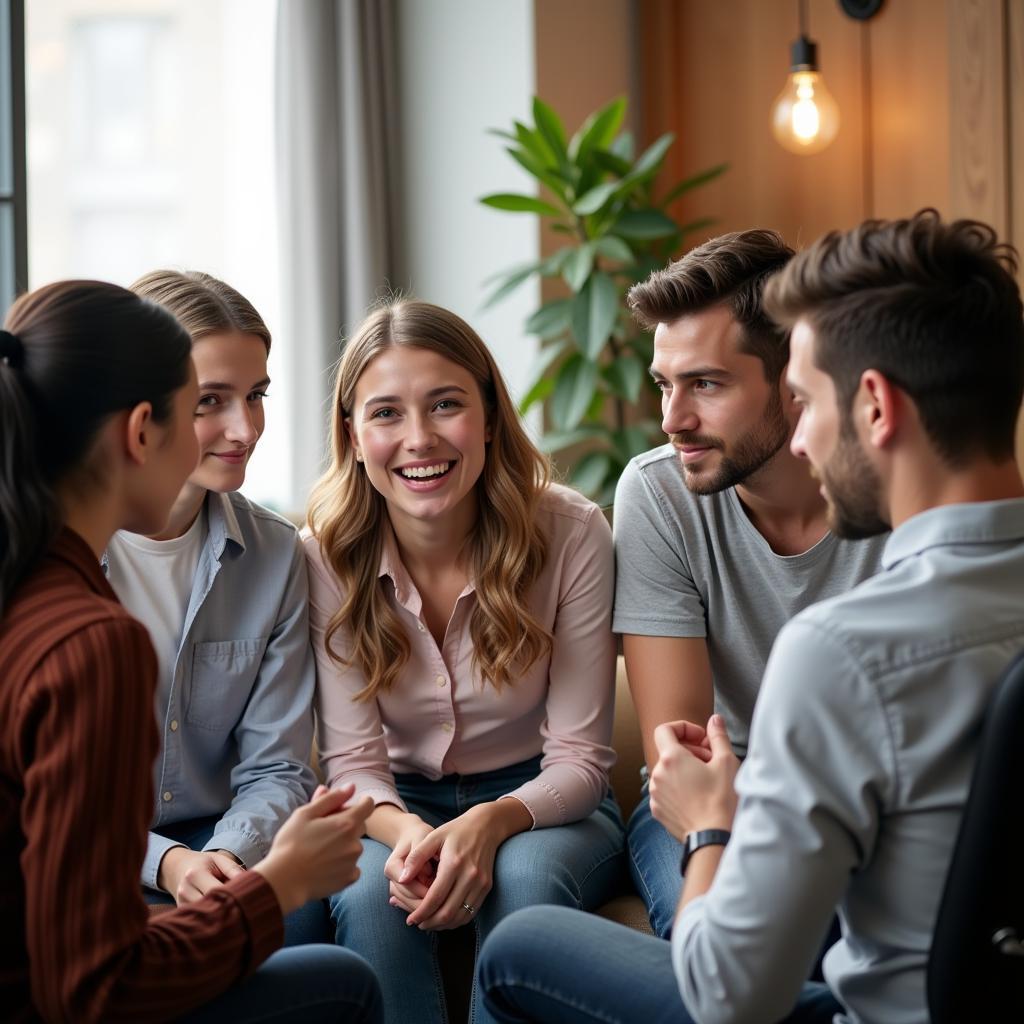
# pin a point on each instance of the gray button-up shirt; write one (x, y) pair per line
(236, 715)
(862, 746)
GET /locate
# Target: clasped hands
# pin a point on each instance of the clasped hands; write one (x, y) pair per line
(441, 876)
(692, 785)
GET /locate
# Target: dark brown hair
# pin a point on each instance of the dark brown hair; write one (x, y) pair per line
(730, 270)
(85, 350)
(934, 307)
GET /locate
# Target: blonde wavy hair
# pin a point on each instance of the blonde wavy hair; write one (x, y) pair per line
(506, 549)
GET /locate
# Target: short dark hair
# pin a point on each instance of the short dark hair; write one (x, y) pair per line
(730, 270)
(934, 307)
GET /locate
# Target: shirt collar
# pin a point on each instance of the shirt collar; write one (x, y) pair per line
(222, 522)
(978, 522)
(391, 565)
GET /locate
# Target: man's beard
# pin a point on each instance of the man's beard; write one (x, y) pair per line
(853, 490)
(750, 452)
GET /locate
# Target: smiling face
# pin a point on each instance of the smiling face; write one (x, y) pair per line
(827, 438)
(233, 381)
(721, 414)
(419, 426)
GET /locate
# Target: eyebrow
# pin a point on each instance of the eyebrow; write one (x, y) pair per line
(433, 393)
(698, 374)
(216, 385)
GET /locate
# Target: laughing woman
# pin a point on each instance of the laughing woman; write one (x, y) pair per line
(460, 606)
(222, 590)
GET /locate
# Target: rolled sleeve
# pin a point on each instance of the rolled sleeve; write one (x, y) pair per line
(810, 794)
(577, 729)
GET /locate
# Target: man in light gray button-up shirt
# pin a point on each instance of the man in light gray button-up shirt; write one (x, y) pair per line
(907, 359)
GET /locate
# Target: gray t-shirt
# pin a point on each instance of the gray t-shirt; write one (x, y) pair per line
(695, 566)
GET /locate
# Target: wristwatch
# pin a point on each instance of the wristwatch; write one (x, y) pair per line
(705, 837)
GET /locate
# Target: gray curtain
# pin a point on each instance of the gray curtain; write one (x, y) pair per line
(338, 192)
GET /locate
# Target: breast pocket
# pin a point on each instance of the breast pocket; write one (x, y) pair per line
(223, 675)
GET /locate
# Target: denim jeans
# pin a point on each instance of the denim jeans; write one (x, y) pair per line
(310, 923)
(553, 964)
(303, 985)
(576, 865)
(654, 856)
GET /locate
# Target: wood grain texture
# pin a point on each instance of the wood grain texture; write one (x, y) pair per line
(979, 143)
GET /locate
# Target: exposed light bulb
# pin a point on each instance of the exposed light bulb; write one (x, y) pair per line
(805, 117)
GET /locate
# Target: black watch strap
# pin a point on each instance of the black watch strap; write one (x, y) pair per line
(705, 837)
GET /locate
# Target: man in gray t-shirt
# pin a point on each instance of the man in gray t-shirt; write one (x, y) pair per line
(721, 535)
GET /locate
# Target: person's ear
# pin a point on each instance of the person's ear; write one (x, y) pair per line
(140, 433)
(878, 408)
(352, 439)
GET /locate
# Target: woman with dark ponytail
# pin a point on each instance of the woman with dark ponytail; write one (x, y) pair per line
(97, 393)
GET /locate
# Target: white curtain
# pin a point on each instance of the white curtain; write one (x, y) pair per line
(338, 193)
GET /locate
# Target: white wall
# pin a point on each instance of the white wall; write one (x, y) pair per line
(466, 66)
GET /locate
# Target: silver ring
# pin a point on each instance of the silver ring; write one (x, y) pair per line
(469, 909)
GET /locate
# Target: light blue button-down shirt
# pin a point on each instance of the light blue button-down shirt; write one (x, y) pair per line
(236, 714)
(862, 747)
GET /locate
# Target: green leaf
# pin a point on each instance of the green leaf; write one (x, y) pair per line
(556, 262)
(574, 388)
(551, 319)
(546, 356)
(556, 441)
(517, 276)
(550, 127)
(612, 163)
(647, 166)
(614, 248)
(589, 473)
(623, 147)
(593, 314)
(598, 130)
(631, 440)
(645, 225)
(595, 198)
(533, 142)
(625, 376)
(578, 267)
(514, 203)
(540, 391)
(533, 166)
(701, 178)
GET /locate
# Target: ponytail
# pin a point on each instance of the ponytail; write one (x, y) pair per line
(72, 354)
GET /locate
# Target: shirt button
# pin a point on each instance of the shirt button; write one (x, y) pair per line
(174, 725)
(441, 681)
(446, 726)
(168, 796)
(421, 627)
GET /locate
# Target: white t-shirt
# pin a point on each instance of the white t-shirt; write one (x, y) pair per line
(153, 580)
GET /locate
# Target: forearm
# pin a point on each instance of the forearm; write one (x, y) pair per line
(387, 822)
(700, 873)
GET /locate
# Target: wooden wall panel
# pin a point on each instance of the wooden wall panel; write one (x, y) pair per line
(979, 145)
(906, 77)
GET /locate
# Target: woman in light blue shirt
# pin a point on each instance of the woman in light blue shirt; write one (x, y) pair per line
(223, 593)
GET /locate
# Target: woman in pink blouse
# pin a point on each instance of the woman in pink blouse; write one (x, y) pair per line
(461, 616)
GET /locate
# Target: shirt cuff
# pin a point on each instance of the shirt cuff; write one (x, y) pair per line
(156, 847)
(545, 804)
(250, 849)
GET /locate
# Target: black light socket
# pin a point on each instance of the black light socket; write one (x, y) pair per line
(803, 55)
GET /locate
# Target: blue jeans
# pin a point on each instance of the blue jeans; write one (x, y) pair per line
(309, 923)
(304, 985)
(575, 865)
(553, 964)
(654, 856)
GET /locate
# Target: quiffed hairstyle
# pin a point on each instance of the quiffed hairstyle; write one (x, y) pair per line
(932, 306)
(506, 550)
(730, 270)
(202, 303)
(87, 350)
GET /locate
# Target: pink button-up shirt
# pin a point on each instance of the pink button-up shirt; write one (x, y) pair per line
(440, 718)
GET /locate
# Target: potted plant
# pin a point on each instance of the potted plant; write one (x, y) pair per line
(593, 359)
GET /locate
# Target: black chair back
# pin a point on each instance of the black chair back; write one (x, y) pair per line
(976, 964)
